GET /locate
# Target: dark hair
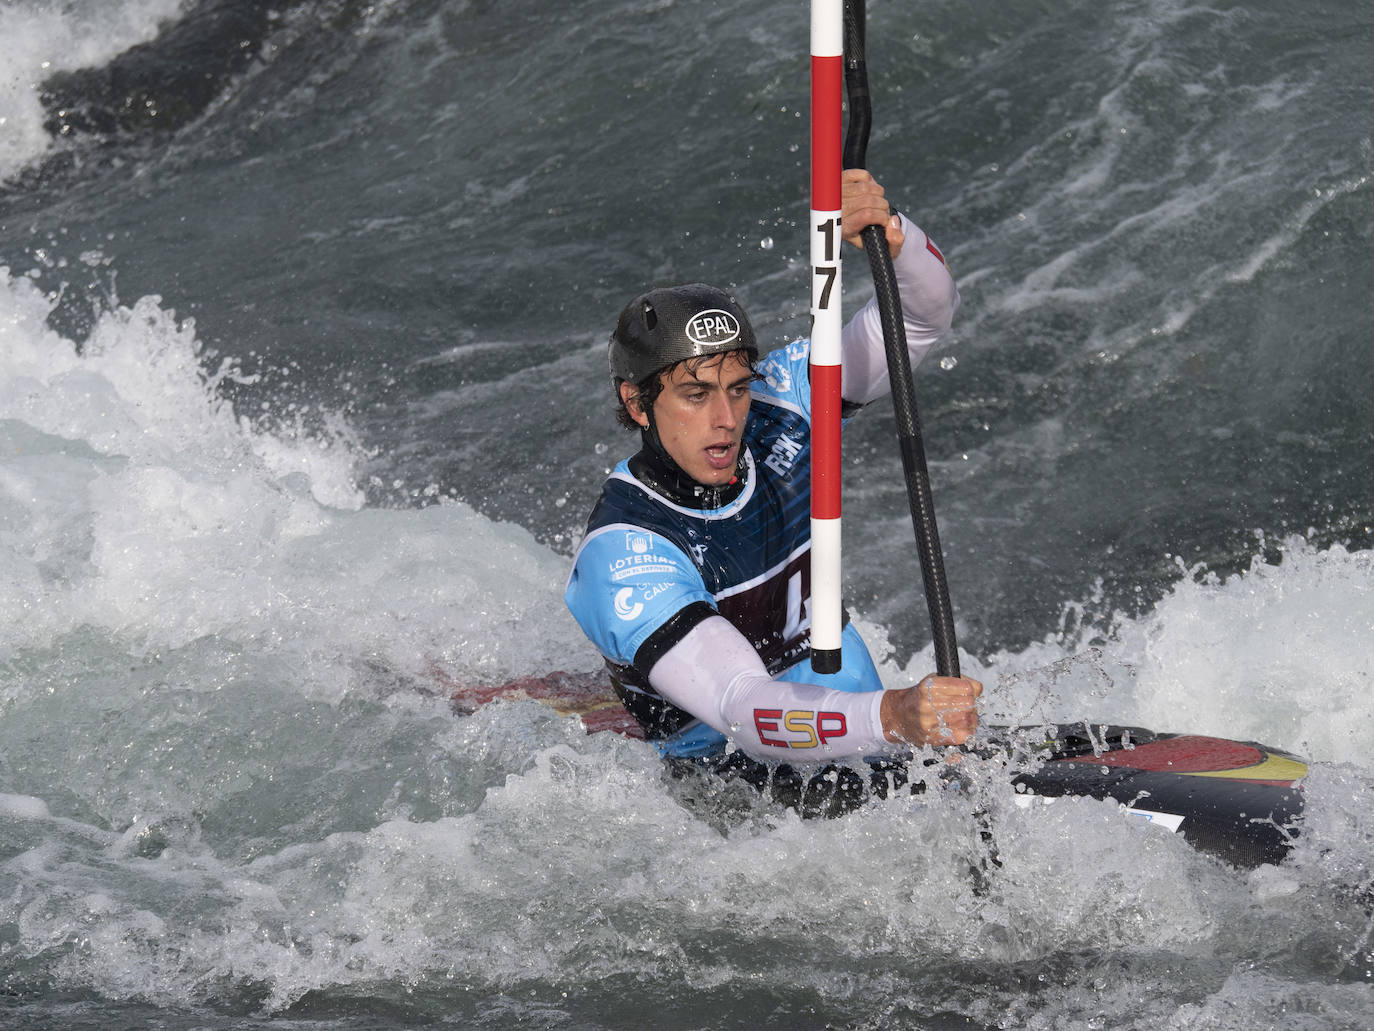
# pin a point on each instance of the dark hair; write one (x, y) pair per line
(647, 390)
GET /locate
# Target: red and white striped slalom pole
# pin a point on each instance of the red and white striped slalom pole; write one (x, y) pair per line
(827, 98)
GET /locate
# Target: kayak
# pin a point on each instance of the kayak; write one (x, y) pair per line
(1239, 800)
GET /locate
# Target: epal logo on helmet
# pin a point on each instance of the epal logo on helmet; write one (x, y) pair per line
(714, 328)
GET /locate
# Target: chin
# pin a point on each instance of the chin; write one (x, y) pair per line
(714, 478)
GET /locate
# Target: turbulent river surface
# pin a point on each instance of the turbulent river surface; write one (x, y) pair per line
(303, 403)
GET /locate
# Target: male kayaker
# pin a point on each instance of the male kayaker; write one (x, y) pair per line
(693, 577)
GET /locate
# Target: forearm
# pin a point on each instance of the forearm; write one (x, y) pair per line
(715, 674)
(929, 300)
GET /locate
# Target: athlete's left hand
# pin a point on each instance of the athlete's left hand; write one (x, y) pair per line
(864, 204)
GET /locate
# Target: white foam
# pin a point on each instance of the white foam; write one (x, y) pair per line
(139, 503)
(42, 37)
(23, 807)
(1279, 654)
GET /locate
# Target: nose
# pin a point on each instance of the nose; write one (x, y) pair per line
(724, 412)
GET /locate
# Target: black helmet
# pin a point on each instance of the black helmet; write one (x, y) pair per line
(665, 326)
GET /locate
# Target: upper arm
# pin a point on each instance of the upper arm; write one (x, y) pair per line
(627, 584)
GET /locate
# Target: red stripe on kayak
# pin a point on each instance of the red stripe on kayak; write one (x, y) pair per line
(1188, 753)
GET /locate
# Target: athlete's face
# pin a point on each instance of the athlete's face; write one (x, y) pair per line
(700, 415)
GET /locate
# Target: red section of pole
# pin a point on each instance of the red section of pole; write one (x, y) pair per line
(827, 141)
(825, 440)
(827, 134)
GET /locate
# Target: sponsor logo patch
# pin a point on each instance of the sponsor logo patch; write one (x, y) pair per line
(639, 558)
(712, 327)
(778, 379)
(625, 606)
(628, 566)
(783, 453)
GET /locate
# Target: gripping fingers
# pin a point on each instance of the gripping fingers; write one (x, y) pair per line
(951, 704)
(937, 711)
(864, 204)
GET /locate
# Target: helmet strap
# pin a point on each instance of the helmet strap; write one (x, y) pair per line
(654, 444)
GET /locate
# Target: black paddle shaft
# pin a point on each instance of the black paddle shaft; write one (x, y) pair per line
(898, 360)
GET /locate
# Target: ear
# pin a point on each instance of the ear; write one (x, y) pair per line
(629, 396)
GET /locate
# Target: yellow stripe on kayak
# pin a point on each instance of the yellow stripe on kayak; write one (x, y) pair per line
(1274, 767)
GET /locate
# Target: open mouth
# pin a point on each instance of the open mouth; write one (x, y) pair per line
(721, 456)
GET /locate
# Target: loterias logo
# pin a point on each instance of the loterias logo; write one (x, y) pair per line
(712, 327)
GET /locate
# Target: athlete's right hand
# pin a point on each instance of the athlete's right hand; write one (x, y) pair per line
(864, 203)
(937, 711)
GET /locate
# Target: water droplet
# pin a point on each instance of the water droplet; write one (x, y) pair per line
(766, 243)
(948, 362)
(600, 449)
